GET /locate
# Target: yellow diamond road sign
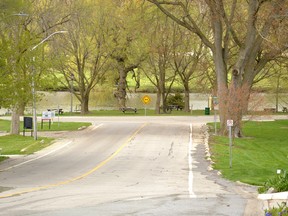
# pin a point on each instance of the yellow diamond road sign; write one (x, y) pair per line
(146, 99)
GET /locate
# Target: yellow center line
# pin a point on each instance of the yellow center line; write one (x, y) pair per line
(81, 176)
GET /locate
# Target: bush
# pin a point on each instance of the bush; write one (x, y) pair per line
(279, 183)
(176, 99)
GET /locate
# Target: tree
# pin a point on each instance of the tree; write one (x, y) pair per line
(159, 64)
(20, 32)
(279, 82)
(245, 39)
(128, 46)
(85, 52)
(14, 38)
(187, 59)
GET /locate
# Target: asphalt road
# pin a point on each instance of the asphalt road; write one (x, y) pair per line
(122, 166)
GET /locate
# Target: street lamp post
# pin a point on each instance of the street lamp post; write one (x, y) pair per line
(33, 84)
(72, 89)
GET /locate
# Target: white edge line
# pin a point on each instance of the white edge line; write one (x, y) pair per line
(190, 160)
(44, 155)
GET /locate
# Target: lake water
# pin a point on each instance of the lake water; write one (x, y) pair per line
(198, 101)
(63, 99)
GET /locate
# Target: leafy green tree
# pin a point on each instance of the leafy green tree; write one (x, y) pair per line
(128, 46)
(22, 28)
(14, 39)
(84, 56)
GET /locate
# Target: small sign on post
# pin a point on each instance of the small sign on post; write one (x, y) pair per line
(146, 100)
(47, 116)
(230, 124)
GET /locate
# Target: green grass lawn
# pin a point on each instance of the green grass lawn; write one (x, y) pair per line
(55, 126)
(140, 112)
(4, 125)
(18, 144)
(256, 157)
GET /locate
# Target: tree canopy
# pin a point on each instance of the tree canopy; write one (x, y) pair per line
(229, 44)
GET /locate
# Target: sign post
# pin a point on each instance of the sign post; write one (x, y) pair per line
(47, 116)
(146, 100)
(230, 125)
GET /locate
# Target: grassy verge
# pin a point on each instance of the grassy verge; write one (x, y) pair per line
(19, 145)
(22, 145)
(61, 126)
(257, 157)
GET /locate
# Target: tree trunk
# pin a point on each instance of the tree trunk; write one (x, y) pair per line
(123, 70)
(85, 105)
(22, 108)
(15, 121)
(121, 90)
(186, 97)
(164, 104)
(221, 72)
(158, 102)
(222, 95)
(277, 92)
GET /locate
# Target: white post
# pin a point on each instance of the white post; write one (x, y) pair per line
(230, 125)
(230, 146)
(215, 119)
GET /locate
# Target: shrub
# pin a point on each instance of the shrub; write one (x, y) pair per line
(279, 183)
(176, 99)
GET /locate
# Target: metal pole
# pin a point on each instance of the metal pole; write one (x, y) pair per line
(215, 125)
(230, 146)
(71, 105)
(58, 115)
(33, 84)
(45, 39)
(34, 103)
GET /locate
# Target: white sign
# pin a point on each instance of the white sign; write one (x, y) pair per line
(48, 115)
(230, 123)
(215, 100)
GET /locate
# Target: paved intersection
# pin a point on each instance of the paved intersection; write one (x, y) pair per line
(123, 166)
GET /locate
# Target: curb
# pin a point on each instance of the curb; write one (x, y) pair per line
(254, 205)
(278, 196)
(273, 199)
